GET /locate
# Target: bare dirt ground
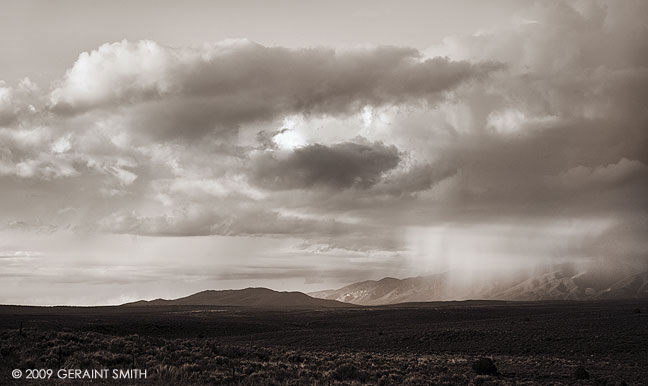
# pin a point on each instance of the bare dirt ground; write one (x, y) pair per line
(547, 343)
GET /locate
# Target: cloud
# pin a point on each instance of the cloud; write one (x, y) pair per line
(7, 113)
(41, 153)
(417, 178)
(187, 92)
(19, 254)
(24, 226)
(558, 133)
(550, 37)
(17, 101)
(339, 166)
(583, 177)
(344, 152)
(201, 221)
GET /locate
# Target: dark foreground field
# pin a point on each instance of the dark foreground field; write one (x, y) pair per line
(589, 343)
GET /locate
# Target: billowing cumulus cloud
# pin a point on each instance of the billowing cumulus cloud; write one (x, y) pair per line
(16, 100)
(190, 91)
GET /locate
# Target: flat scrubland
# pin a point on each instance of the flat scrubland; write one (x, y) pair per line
(547, 343)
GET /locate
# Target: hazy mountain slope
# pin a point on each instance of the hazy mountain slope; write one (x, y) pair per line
(581, 286)
(560, 284)
(249, 297)
(635, 286)
(389, 291)
(548, 286)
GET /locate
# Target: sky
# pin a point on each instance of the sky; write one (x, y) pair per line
(155, 149)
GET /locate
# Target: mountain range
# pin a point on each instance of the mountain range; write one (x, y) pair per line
(563, 283)
(248, 297)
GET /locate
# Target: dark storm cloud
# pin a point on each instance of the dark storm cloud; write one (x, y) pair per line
(589, 156)
(338, 166)
(190, 91)
(418, 178)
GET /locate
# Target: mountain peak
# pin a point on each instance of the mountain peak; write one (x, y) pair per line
(550, 283)
(247, 297)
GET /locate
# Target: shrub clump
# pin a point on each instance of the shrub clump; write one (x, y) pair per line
(484, 366)
(581, 373)
(348, 372)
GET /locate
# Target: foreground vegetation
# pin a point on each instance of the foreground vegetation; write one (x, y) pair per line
(445, 345)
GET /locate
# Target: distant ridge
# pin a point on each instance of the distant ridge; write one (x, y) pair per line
(248, 297)
(559, 283)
